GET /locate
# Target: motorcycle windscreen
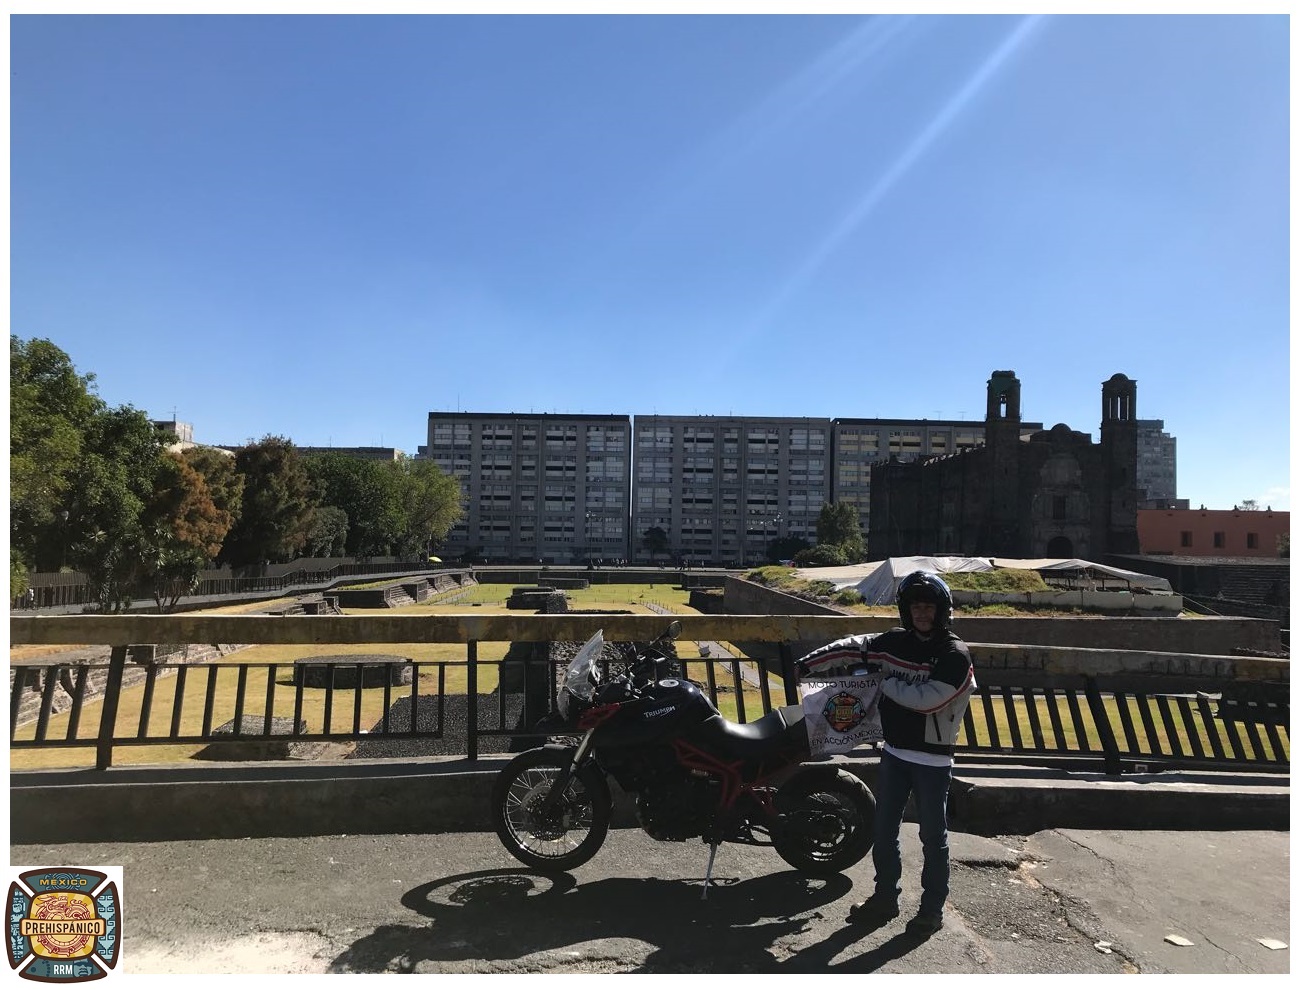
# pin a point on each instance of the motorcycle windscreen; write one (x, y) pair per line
(579, 679)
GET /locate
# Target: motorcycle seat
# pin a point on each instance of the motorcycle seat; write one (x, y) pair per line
(754, 740)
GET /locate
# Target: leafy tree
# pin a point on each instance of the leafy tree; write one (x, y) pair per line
(182, 531)
(277, 507)
(19, 579)
(225, 483)
(108, 491)
(655, 541)
(50, 408)
(1249, 505)
(839, 526)
(367, 493)
(431, 501)
(785, 548)
(330, 530)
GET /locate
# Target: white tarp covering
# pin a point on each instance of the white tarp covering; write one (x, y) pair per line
(877, 581)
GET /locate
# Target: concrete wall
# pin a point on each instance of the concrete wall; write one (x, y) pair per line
(1160, 531)
(385, 797)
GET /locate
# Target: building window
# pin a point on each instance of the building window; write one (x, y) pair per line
(1186, 537)
(1251, 541)
(1060, 507)
(1219, 540)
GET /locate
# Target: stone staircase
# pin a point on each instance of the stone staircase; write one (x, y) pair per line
(1260, 584)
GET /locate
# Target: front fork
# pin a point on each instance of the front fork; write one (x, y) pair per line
(563, 779)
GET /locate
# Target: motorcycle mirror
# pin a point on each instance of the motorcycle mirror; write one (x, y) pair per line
(673, 630)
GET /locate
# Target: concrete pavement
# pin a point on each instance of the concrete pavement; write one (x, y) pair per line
(1050, 902)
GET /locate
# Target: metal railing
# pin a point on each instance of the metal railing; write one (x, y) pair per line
(1235, 717)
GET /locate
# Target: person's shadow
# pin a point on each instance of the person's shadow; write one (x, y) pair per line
(511, 913)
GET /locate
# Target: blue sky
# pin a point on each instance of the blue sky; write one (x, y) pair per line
(325, 227)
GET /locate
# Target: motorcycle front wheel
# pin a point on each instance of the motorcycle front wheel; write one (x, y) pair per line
(826, 821)
(550, 838)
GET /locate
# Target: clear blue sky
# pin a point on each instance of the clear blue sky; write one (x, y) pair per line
(326, 227)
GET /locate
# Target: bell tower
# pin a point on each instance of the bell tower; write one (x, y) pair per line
(1002, 442)
(1118, 441)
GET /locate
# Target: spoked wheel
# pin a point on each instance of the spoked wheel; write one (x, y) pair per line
(556, 837)
(827, 821)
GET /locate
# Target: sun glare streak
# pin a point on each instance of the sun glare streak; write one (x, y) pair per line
(865, 205)
(764, 123)
(794, 99)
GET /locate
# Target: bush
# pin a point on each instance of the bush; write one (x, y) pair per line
(848, 596)
(822, 555)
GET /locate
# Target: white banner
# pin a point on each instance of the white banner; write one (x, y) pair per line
(841, 713)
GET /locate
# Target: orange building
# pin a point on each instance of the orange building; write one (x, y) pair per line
(1211, 532)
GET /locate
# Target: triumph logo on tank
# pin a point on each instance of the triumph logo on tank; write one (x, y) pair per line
(841, 713)
(65, 924)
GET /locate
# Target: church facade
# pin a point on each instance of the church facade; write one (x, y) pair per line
(1053, 493)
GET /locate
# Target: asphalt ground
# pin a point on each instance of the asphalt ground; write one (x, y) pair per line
(1063, 901)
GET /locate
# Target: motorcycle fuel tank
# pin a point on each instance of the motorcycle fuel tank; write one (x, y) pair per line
(670, 707)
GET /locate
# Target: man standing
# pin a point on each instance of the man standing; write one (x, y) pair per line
(927, 680)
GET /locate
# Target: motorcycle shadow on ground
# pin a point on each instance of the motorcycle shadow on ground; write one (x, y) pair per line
(509, 914)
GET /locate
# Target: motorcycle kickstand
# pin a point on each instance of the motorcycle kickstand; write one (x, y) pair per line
(710, 863)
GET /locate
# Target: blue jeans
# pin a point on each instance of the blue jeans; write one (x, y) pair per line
(897, 778)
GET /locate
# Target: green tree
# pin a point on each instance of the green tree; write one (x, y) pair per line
(277, 508)
(329, 533)
(368, 494)
(182, 531)
(108, 491)
(50, 408)
(839, 526)
(431, 501)
(655, 541)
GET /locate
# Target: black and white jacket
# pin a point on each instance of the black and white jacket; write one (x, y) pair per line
(926, 683)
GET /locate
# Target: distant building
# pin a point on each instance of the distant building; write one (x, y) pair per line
(1156, 465)
(185, 436)
(1211, 532)
(723, 488)
(360, 453)
(540, 486)
(1052, 493)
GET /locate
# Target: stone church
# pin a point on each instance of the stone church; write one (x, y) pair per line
(1054, 493)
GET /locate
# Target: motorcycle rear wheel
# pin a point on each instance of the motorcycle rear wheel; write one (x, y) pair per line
(550, 840)
(828, 821)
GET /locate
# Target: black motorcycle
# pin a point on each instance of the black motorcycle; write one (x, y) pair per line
(692, 772)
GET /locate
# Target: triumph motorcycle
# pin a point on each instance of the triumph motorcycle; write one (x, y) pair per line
(692, 773)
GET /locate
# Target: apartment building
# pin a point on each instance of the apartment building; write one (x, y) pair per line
(537, 487)
(722, 488)
(1156, 465)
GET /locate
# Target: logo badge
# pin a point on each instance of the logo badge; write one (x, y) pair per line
(65, 924)
(844, 712)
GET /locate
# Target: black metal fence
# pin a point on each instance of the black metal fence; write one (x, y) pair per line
(1072, 720)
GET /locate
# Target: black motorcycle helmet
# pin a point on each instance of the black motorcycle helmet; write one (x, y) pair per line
(922, 586)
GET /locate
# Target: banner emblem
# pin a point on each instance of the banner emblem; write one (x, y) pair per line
(841, 712)
(64, 925)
